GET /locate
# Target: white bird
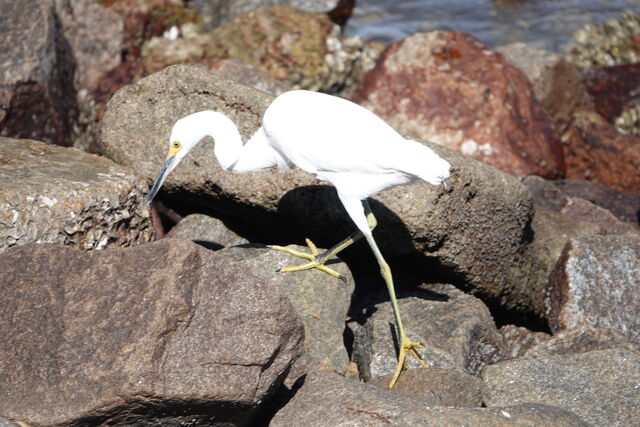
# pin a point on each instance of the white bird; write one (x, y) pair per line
(336, 140)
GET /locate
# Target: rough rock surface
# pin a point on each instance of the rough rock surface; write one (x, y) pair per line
(596, 151)
(556, 81)
(595, 283)
(122, 335)
(519, 340)
(456, 329)
(206, 231)
(553, 195)
(247, 75)
(581, 340)
(320, 300)
(94, 52)
(601, 387)
(477, 227)
(449, 88)
(62, 195)
(327, 399)
(37, 95)
(438, 387)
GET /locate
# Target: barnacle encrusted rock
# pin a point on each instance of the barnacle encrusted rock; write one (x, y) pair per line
(51, 194)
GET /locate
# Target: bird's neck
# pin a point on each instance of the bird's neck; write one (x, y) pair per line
(228, 142)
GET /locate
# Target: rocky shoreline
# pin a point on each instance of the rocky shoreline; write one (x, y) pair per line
(520, 275)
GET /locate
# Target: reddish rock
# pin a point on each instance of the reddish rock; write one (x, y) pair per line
(166, 333)
(449, 88)
(612, 88)
(37, 96)
(595, 283)
(556, 81)
(596, 151)
(587, 211)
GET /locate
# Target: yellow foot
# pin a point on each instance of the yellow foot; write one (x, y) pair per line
(313, 261)
(407, 346)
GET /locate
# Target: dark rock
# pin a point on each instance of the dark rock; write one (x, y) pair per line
(437, 387)
(555, 195)
(62, 195)
(37, 95)
(599, 386)
(581, 340)
(457, 331)
(519, 340)
(206, 231)
(476, 228)
(586, 211)
(328, 400)
(594, 283)
(596, 151)
(556, 81)
(320, 300)
(612, 88)
(94, 52)
(449, 88)
(166, 332)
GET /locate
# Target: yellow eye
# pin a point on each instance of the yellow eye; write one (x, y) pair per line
(176, 145)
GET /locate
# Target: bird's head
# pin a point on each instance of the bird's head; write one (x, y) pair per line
(184, 136)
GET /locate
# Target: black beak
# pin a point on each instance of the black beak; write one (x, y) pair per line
(167, 167)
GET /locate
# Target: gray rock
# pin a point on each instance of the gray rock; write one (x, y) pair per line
(122, 335)
(62, 195)
(242, 73)
(217, 12)
(37, 95)
(328, 400)
(595, 283)
(94, 52)
(601, 387)
(551, 231)
(207, 231)
(457, 331)
(437, 387)
(581, 340)
(320, 300)
(476, 228)
(556, 81)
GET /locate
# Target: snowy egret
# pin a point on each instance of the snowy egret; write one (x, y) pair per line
(337, 141)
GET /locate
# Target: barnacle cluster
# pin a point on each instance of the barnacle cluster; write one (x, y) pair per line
(610, 43)
(629, 120)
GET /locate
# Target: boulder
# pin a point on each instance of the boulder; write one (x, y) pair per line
(163, 333)
(449, 88)
(555, 195)
(456, 329)
(94, 52)
(599, 386)
(207, 231)
(612, 88)
(596, 151)
(37, 95)
(320, 300)
(62, 195)
(437, 387)
(581, 340)
(595, 283)
(476, 228)
(327, 399)
(555, 80)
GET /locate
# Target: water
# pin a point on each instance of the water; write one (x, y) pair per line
(547, 24)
